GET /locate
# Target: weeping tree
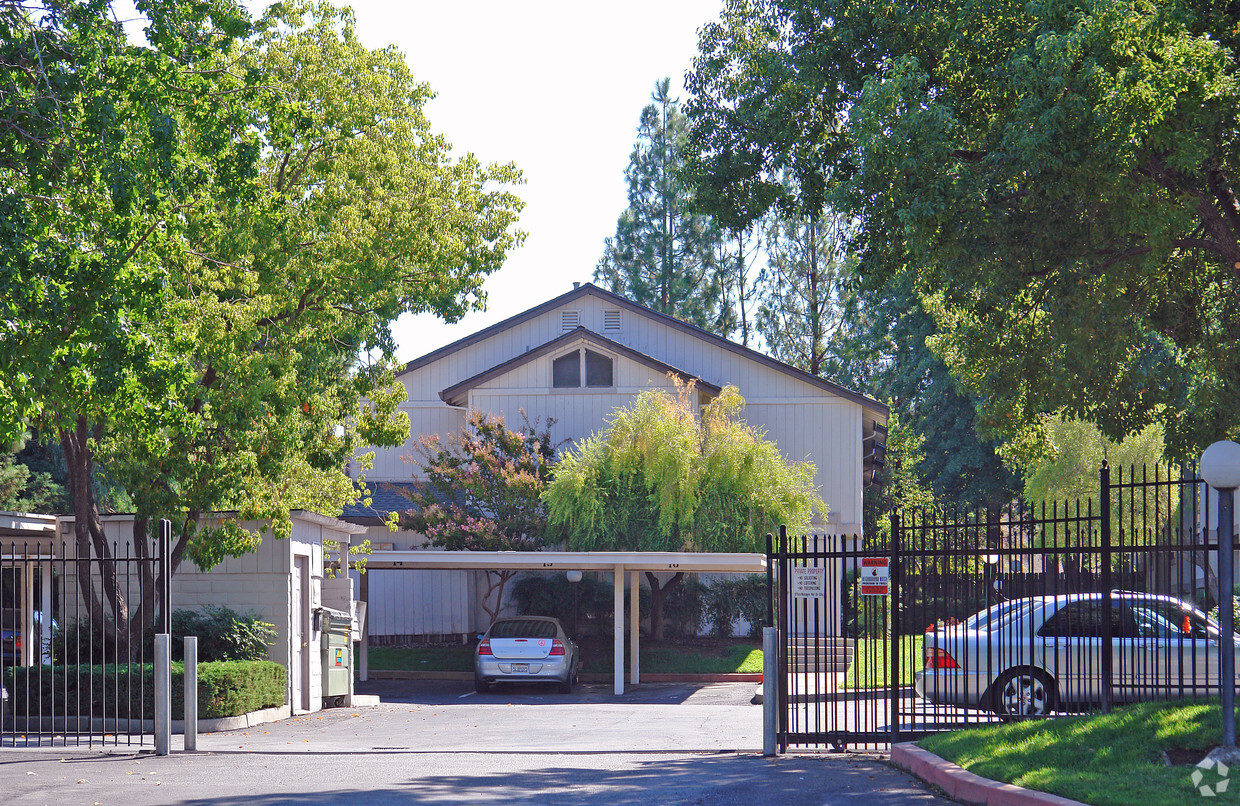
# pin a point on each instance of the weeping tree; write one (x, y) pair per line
(483, 492)
(666, 476)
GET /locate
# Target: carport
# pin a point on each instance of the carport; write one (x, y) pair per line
(617, 562)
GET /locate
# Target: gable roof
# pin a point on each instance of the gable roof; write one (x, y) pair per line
(587, 289)
(456, 394)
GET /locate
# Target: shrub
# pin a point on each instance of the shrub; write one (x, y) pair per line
(741, 598)
(685, 606)
(223, 634)
(552, 595)
(232, 688)
(225, 688)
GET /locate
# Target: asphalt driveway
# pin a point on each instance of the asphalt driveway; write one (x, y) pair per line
(442, 743)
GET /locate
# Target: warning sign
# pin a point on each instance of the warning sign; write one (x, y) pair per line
(339, 659)
(809, 583)
(875, 576)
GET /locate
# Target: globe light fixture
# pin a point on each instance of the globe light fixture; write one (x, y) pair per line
(1220, 465)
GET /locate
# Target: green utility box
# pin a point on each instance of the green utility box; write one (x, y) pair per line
(337, 657)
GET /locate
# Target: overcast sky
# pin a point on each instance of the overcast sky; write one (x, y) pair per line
(556, 88)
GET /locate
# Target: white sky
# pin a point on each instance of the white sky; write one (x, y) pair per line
(557, 88)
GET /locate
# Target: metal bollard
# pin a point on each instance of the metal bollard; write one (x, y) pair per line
(770, 688)
(163, 694)
(191, 692)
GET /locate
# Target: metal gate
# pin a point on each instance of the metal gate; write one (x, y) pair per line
(851, 651)
(70, 676)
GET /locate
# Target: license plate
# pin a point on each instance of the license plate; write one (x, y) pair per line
(520, 668)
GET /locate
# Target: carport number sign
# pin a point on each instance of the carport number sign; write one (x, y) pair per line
(809, 583)
(875, 576)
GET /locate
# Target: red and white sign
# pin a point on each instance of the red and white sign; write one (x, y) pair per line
(875, 576)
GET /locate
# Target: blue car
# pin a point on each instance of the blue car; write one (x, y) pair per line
(11, 636)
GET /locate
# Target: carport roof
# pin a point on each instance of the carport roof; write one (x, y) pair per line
(569, 560)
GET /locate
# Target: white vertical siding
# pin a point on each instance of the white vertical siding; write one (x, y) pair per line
(418, 602)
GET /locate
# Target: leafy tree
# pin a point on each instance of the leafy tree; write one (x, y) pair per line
(1068, 472)
(664, 255)
(663, 478)
(206, 239)
(1059, 177)
(483, 492)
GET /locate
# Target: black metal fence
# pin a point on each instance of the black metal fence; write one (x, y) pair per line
(77, 666)
(1001, 614)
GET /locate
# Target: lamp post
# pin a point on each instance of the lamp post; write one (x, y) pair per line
(1220, 468)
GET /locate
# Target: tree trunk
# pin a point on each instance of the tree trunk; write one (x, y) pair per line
(121, 621)
(657, 596)
(496, 580)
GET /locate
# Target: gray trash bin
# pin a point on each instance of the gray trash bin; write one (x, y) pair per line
(337, 657)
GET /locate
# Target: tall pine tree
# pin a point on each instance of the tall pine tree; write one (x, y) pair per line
(664, 255)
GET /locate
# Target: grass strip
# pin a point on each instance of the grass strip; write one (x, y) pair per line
(738, 658)
(871, 666)
(1113, 759)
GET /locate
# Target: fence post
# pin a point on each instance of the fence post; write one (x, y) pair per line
(894, 608)
(785, 632)
(770, 586)
(165, 576)
(1108, 661)
(191, 692)
(163, 694)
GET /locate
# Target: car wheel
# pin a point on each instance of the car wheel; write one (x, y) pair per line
(481, 686)
(1023, 692)
(567, 686)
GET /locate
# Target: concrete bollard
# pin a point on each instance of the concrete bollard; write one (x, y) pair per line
(770, 689)
(163, 694)
(191, 692)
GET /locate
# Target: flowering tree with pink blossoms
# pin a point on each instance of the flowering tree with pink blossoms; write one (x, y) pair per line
(483, 492)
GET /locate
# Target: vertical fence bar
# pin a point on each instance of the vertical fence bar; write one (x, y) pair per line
(785, 621)
(894, 615)
(1104, 482)
(165, 576)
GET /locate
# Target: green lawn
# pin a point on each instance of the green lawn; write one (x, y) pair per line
(871, 666)
(1103, 760)
(696, 656)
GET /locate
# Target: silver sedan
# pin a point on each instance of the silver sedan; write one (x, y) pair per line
(1028, 657)
(526, 649)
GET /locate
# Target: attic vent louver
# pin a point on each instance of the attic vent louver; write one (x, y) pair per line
(570, 320)
(611, 321)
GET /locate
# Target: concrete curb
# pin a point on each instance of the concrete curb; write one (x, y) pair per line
(592, 677)
(237, 722)
(965, 786)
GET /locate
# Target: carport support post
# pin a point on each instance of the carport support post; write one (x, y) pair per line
(363, 672)
(635, 582)
(618, 632)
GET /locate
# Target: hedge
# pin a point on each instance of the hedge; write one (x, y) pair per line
(225, 688)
